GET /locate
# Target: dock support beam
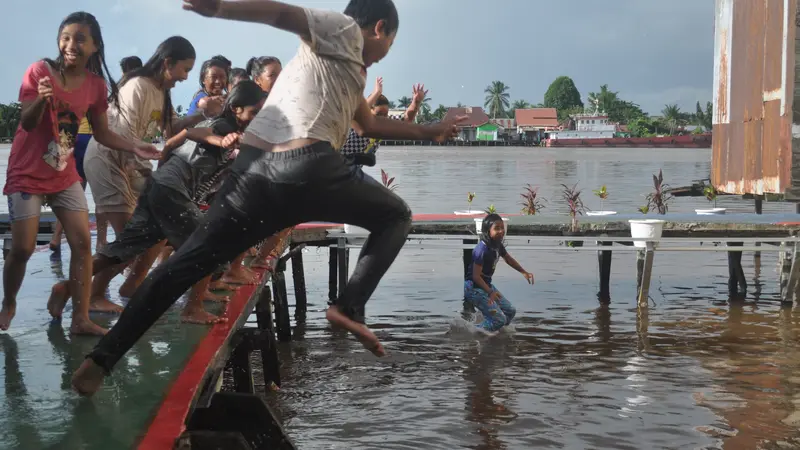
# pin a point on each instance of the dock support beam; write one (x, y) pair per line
(759, 210)
(298, 274)
(343, 257)
(269, 352)
(736, 278)
(644, 265)
(792, 287)
(604, 264)
(332, 274)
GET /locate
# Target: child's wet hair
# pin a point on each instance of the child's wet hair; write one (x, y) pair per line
(237, 72)
(129, 63)
(173, 49)
(245, 93)
(367, 13)
(381, 101)
(256, 65)
(227, 62)
(97, 62)
(207, 65)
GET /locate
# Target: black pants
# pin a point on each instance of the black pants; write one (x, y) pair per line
(161, 213)
(265, 193)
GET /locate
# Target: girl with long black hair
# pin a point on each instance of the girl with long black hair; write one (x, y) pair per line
(56, 95)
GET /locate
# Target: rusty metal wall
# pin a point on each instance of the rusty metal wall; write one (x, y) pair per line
(754, 79)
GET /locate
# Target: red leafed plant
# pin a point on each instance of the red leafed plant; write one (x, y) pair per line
(531, 202)
(660, 198)
(388, 182)
(572, 196)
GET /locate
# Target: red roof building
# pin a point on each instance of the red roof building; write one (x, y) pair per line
(536, 119)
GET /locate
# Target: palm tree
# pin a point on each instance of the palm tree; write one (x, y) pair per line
(520, 104)
(497, 98)
(404, 102)
(605, 99)
(392, 105)
(439, 113)
(705, 118)
(672, 116)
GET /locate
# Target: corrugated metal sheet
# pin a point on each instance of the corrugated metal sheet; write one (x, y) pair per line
(754, 81)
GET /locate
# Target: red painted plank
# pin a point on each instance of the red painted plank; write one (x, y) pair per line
(169, 422)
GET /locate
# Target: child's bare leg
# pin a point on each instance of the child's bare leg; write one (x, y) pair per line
(194, 312)
(88, 378)
(102, 231)
(140, 269)
(23, 241)
(76, 228)
(238, 274)
(165, 253)
(99, 301)
(359, 330)
(55, 241)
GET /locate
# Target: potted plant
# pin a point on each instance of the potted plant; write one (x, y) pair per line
(479, 220)
(388, 182)
(468, 211)
(658, 201)
(711, 195)
(572, 196)
(531, 203)
(601, 193)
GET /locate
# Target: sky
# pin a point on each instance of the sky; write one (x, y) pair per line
(652, 52)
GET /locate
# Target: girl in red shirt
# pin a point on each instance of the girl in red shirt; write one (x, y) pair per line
(56, 96)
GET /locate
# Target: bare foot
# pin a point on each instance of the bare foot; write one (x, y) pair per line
(88, 378)
(359, 330)
(212, 297)
(59, 296)
(220, 285)
(86, 327)
(7, 314)
(238, 276)
(104, 305)
(127, 289)
(200, 316)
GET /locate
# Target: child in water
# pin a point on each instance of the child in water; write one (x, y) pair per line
(478, 288)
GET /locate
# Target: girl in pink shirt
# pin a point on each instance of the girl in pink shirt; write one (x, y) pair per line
(56, 96)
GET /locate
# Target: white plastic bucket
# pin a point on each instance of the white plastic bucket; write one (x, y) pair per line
(646, 228)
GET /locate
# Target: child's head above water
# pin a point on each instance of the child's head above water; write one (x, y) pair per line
(381, 107)
(80, 45)
(493, 228)
(243, 103)
(379, 23)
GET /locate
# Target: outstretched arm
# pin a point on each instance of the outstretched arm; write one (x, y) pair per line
(516, 266)
(366, 124)
(279, 15)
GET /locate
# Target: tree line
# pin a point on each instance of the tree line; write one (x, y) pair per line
(9, 119)
(565, 97)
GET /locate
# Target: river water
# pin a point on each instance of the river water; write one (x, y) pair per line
(696, 371)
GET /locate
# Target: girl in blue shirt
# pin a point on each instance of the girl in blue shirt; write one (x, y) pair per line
(478, 288)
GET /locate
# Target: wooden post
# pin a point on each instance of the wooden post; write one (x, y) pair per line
(785, 268)
(736, 276)
(759, 210)
(333, 264)
(343, 256)
(647, 257)
(300, 299)
(792, 284)
(281, 306)
(270, 363)
(604, 264)
(242, 370)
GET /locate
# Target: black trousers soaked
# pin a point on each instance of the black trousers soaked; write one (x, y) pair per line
(265, 193)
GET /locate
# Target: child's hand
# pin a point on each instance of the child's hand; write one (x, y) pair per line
(208, 8)
(231, 141)
(147, 151)
(528, 276)
(379, 85)
(494, 296)
(419, 94)
(45, 88)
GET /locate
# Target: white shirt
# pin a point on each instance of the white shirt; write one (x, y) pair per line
(319, 90)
